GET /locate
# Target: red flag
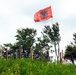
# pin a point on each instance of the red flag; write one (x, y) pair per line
(43, 14)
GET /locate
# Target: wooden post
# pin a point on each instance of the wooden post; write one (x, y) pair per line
(41, 51)
(58, 53)
(47, 55)
(19, 54)
(16, 53)
(60, 58)
(6, 54)
(62, 54)
(20, 49)
(31, 53)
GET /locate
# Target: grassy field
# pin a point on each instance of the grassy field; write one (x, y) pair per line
(35, 67)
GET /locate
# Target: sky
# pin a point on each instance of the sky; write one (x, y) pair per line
(16, 14)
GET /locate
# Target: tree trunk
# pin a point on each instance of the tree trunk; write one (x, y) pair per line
(55, 51)
(18, 53)
(31, 53)
(6, 54)
(47, 55)
(58, 53)
(72, 59)
(60, 58)
(41, 52)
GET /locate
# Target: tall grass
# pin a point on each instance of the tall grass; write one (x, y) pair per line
(35, 67)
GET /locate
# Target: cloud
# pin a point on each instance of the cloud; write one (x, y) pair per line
(15, 14)
(68, 8)
(66, 32)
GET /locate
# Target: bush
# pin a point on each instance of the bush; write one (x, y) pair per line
(34, 67)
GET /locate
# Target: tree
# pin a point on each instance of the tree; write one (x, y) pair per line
(42, 43)
(26, 38)
(53, 35)
(12, 49)
(70, 51)
(74, 39)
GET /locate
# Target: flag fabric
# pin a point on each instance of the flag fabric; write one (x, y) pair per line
(43, 14)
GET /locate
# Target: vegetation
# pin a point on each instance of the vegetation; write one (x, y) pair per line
(52, 33)
(70, 52)
(26, 41)
(35, 67)
(43, 44)
(25, 37)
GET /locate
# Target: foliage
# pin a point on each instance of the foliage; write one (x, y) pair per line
(25, 37)
(42, 45)
(53, 35)
(25, 40)
(71, 49)
(11, 49)
(35, 67)
(74, 38)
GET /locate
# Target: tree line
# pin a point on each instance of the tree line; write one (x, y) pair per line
(27, 41)
(28, 44)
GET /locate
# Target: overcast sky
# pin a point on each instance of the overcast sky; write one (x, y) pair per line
(15, 14)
